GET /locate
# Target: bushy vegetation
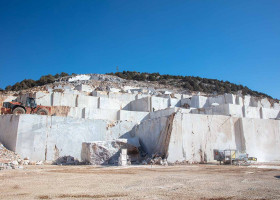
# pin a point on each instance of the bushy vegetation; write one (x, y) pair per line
(29, 83)
(190, 83)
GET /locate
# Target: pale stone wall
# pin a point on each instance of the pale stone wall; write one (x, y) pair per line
(87, 101)
(132, 115)
(186, 101)
(199, 102)
(106, 114)
(107, 103)
(76, 112)
(149, 133)
(162, 113)
(43, 98)
(262, 138)
(64, 99)
(143, 104)
(8, 131)
(251, 112)
(100, 94)
(195, 136)
(125, 97)
(47, 138)
(270, 113)
(159, 103)
(173, 102)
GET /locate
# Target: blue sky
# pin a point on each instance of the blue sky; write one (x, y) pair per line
(238, 41)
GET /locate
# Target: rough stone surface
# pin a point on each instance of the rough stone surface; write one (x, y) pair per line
(105, 152)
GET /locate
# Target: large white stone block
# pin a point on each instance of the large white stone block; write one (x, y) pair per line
(84, 88)
(255, 102)
(162, 113)
(106, 152)
(235, 110)
(106, 114)
(217, 100)
(276, 106)
(81, 77)
(134, 116)
(76, 112)
(199, 102)
(159, 103)
(239, 100)
(230, 98)
(43, 98)
(64, 99)
(173, 102)
(270, 113)
(47, 138)
(107, 103)
(143, 105)
(251, 112)
(265, 103)
(100, 94)
(8, 130)
(150, 133)
(262, 139)
(87, 101)
(194, 137)
(186, 102)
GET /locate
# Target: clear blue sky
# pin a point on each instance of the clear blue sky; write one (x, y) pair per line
(238, 41)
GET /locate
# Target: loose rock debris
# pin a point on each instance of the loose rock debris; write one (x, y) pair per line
(11, 160)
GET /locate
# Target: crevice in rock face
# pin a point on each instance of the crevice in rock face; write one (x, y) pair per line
(239, 136)
(164, 138)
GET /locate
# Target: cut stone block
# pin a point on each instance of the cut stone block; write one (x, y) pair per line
(105, 152)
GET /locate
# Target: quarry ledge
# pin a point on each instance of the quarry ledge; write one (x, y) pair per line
(181, 138)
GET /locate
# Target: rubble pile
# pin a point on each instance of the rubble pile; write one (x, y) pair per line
(9, 159)
(66, 160)
(155, 159)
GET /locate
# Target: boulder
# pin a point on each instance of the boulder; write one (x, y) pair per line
(106, 152)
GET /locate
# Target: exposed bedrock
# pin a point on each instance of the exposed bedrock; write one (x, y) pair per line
(177, 137)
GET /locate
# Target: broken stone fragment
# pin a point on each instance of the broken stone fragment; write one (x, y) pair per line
(39, 163)
(66, 160)
(25, 162)
(107, 152)
(15, 163)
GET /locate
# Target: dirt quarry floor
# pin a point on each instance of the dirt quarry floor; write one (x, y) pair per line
(202, 182)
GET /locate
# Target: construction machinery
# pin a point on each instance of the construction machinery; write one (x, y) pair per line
(232, 156)
(28, 107)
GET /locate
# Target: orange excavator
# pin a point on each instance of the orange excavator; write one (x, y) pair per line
(29, 107)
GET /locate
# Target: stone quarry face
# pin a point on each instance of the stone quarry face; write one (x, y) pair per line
(107, 152)
(95, 116)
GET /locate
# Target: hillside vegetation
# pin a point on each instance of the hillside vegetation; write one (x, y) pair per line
(190, 83)
(29, 83)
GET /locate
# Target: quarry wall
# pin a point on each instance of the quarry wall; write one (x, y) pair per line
(47, 138)
(262, 138)
(8, 130)
(194, 137)
(220, 122)
(180, 136)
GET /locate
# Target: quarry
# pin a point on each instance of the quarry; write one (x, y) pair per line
(93, 117)
(137, 140)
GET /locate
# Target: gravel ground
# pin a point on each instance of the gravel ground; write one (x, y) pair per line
(202, 182)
